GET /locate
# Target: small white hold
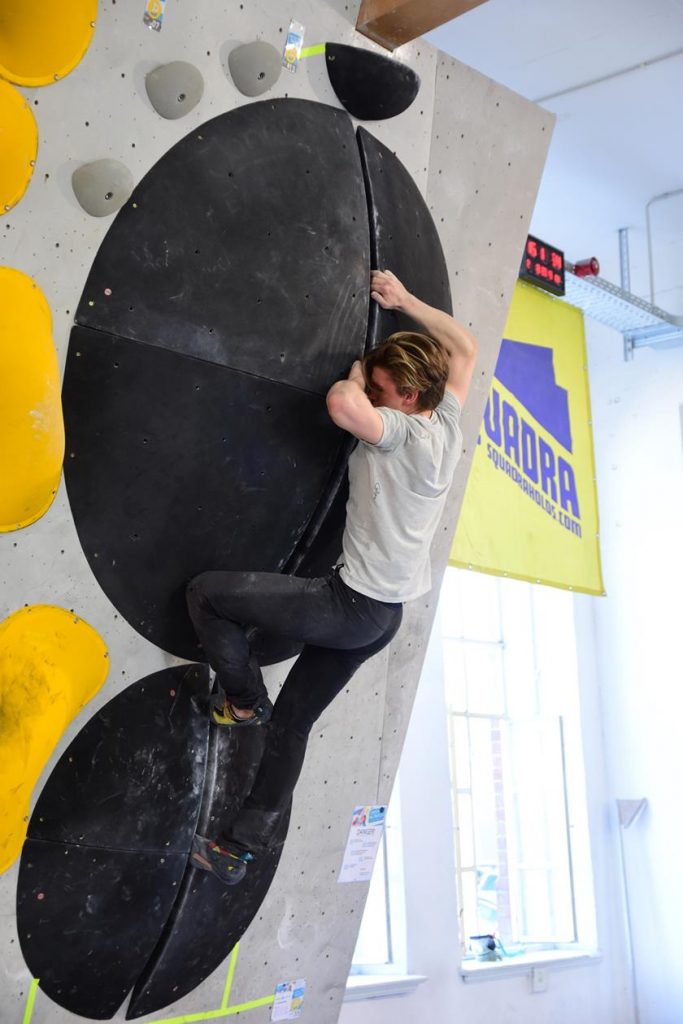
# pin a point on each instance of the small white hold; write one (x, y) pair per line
(102, 187)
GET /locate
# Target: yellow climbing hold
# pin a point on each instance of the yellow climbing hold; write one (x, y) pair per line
(51, 664)
(18, 146)
(39, 44)
(31, 424)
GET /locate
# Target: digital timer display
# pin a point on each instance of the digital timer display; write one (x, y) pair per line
(543, 265)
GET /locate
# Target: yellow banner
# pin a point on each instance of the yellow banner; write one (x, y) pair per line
(530, 509)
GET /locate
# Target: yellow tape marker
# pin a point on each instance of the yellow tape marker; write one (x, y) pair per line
(228, 1011)
(312, 51)
(191, 1017)
(231, 974)
(28, 1013)
(241, 1007)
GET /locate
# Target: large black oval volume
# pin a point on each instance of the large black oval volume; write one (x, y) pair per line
(229, 293)
(369, 85)
(106, 858)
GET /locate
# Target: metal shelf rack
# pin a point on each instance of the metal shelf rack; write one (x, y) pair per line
(639, 322)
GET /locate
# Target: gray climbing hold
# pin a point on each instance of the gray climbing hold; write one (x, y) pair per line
(255, 67)
(174, 89)
(102, 187)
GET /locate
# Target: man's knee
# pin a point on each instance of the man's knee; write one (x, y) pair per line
(197, 590)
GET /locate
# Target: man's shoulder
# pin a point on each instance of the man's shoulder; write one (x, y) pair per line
(450, 404)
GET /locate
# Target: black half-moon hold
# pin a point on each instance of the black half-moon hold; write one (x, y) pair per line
(208, 918)
(176, 466)
(106, 858)
(246, 245)
(403, 237)
(369, 85)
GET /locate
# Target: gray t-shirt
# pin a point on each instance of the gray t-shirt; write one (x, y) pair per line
(398, 488)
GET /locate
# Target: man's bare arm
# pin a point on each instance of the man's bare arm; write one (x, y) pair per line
(460, 344)
(351, 409)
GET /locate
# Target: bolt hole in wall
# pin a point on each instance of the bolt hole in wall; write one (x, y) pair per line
(508, 667)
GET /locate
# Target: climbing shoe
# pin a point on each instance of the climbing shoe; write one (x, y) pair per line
(228, 865)
(223, 714)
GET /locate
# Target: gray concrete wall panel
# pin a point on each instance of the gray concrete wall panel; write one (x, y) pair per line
(476, 152)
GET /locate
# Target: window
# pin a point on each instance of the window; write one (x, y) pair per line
(521, 839)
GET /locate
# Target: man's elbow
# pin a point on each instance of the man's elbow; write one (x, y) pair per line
(472, 349)
(338, 404)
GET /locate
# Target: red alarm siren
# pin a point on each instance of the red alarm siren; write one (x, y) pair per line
(587, 268)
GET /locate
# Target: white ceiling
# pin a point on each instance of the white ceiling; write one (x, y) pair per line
(617, 143)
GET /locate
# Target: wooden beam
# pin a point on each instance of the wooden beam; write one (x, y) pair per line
(394, 22)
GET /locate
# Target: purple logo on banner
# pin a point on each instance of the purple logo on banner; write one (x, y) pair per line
(527, 371)
(541, 469)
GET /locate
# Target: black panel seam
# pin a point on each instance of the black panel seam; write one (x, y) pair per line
(199, 359)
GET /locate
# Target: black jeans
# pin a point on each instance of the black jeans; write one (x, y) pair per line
(340, 629)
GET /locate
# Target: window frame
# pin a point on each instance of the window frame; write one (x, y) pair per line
(582, 902)
(391, 847)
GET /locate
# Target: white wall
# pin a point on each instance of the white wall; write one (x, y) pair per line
(637, 628)
(637, 425)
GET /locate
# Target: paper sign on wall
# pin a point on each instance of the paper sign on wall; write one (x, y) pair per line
(365, 835)
(154, 14)
(293, 46)
(289, 997)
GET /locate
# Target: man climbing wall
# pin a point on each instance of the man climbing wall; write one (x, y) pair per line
(403, 404)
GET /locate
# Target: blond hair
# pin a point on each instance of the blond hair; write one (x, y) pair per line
(415, 362)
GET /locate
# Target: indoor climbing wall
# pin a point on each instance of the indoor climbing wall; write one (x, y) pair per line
(232, 285)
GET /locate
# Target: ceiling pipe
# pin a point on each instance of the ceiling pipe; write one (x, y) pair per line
(624, 261)
(650, 262)
(613, 74)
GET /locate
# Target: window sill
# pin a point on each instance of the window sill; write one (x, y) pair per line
(483, 971)
(380, 986)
